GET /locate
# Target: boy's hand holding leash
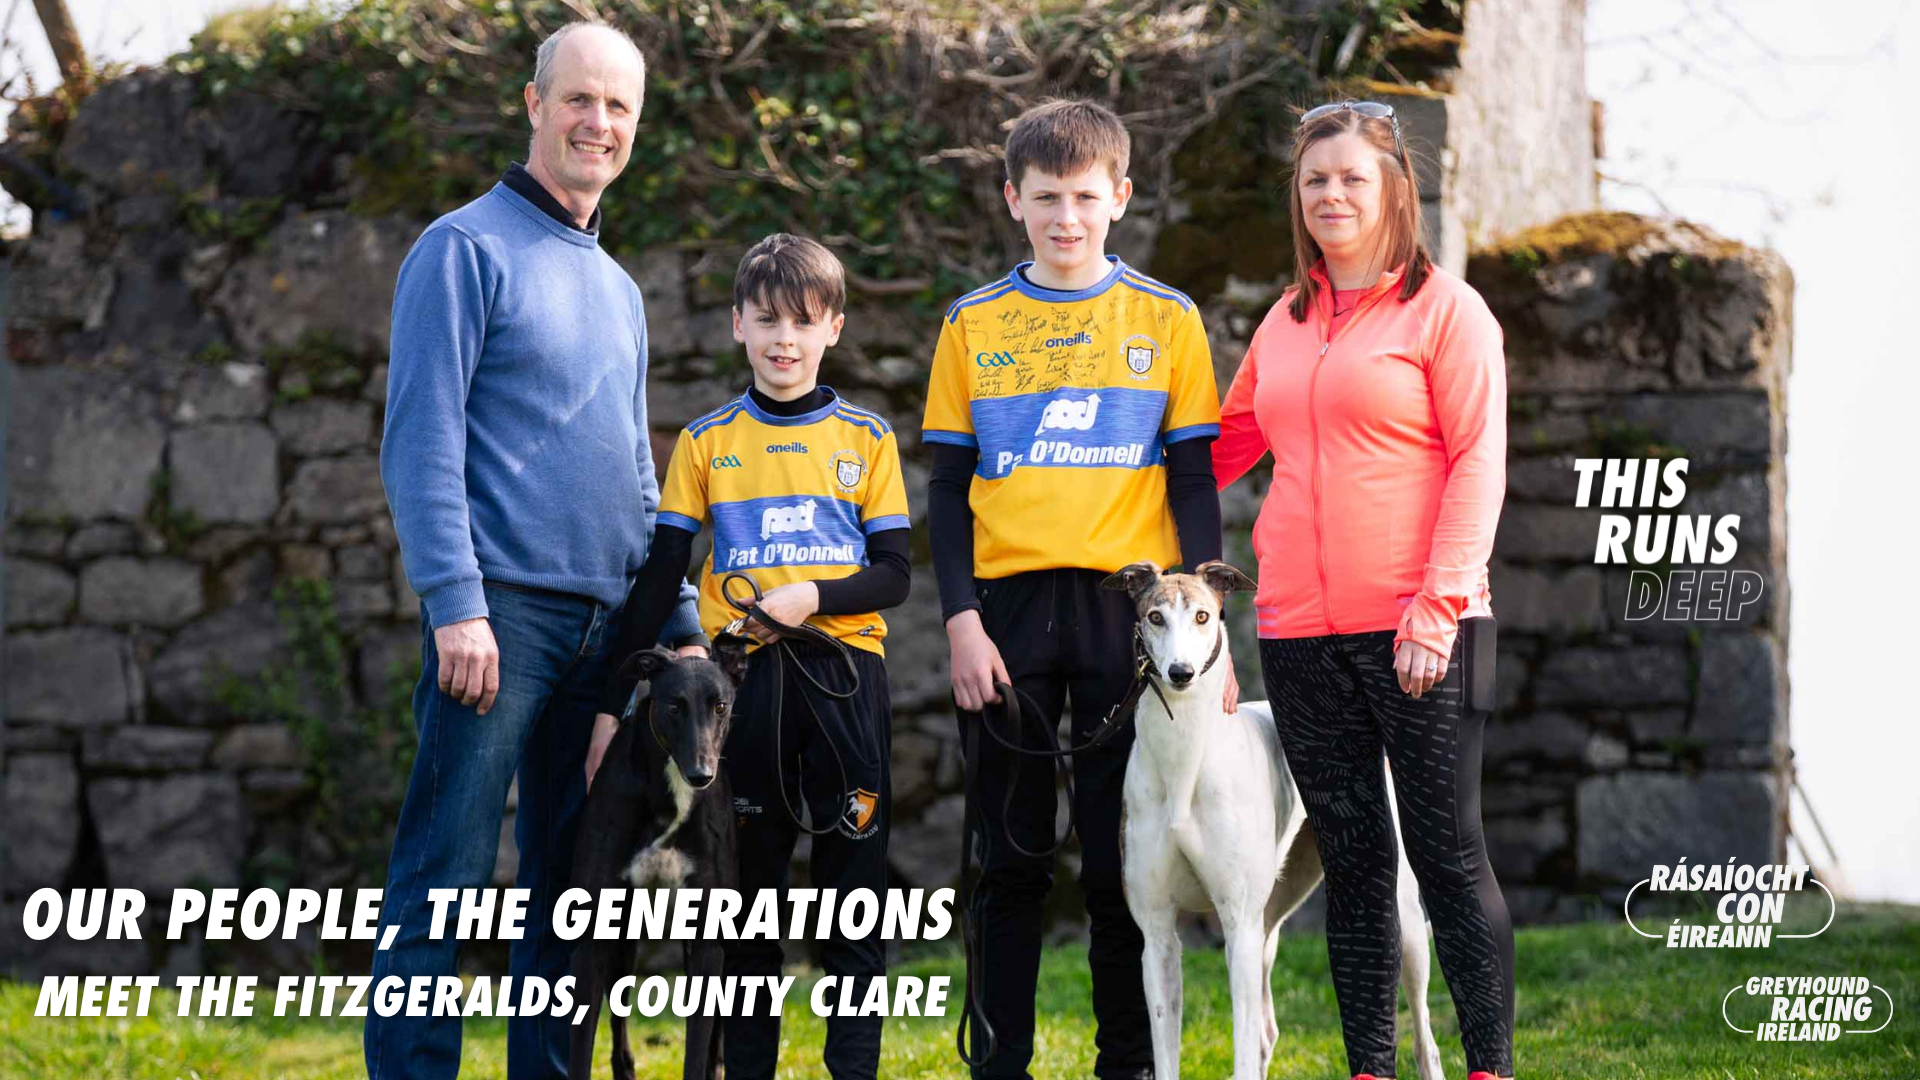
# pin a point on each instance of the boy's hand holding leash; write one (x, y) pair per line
(790, 604)
(976, 663)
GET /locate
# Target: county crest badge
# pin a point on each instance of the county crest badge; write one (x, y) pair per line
(1140, 353)
(848, 468)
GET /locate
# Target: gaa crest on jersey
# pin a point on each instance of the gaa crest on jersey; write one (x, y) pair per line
(848, 467)
(1140, 351)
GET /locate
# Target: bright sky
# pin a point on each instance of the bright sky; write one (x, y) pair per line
(1775, 126)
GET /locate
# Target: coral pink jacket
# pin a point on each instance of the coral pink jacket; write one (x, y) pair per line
(1389, 461)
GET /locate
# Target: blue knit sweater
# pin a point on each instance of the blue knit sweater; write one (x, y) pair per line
(516, 445)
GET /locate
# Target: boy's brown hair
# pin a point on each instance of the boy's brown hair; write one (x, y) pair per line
(791, 275)
(1063, 137)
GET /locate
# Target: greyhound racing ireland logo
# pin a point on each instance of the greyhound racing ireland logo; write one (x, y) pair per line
(1064, 414)
(862, 818)
(848, 467)
(1140, 351)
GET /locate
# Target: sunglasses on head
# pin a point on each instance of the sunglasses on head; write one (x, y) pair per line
(1372, 110)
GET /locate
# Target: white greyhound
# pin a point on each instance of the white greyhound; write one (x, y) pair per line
(1212, 822)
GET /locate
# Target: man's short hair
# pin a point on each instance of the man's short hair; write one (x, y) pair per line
(1063, 137)
(792, 275)
(543, 57)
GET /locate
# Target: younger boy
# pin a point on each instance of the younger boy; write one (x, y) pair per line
(804, 494)
(1071, 411)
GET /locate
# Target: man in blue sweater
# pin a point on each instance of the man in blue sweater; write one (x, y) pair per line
(518, 469)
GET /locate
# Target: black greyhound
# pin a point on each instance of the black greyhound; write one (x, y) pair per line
(659, 815)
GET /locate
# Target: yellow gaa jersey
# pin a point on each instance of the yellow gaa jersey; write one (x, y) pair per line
(791, 498)
(1071, 399)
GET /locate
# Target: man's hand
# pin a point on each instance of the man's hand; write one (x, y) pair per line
(1231, 700)
(605, 726)
(976, 663)
(469, 662)
(790, 604)
(1418, 667)
(698, 652)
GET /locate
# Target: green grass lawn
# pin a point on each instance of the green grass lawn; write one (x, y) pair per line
(1595, 1001)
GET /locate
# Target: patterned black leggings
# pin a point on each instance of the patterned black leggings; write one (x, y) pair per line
(1338, 706)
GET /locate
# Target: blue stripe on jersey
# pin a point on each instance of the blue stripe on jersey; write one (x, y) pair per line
(869, 421)
(1072, 427)
(951, 438)
(885, 522)
(678, 521)
(719, 416)
(787, 530)
(979, 296)
(1192, 431)
(1154, 288)
(848, 406)
(964, 297)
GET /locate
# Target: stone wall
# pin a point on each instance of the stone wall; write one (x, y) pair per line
(1622, 743)
(1520, 145)
(194, 424)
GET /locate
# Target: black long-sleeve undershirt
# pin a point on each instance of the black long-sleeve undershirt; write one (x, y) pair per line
(1191, 497)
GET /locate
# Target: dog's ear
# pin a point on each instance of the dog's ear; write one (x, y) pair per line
(1223, 579)
(1133, 579)
(730, 652)
(645, 665)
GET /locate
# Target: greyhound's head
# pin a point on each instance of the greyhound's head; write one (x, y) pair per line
(689, 706)
(1180, 615)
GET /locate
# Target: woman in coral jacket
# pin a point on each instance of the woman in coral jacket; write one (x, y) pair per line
(1378, 384)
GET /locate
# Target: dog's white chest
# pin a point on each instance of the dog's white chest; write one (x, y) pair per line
(660, 863)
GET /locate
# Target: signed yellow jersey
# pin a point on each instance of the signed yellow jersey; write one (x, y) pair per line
(791, 498)
(1071, 399)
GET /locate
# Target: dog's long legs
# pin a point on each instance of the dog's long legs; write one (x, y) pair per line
(703, 958)
(1270, 1033)
(1414, 970)
(1246, 946)
(1160, 969)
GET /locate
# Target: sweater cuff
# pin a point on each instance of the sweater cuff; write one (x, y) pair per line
(1431, 621)
(684, 623)
(456, 601)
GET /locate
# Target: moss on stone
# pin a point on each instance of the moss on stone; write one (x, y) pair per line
(1607, 232)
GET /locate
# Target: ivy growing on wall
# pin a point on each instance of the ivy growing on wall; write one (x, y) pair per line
(874, 125)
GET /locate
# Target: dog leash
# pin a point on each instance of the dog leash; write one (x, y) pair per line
(1146, 675)
(783, 653)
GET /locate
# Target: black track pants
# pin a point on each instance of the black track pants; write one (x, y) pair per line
(1338, 706)
(852, 856)
(1063, 638)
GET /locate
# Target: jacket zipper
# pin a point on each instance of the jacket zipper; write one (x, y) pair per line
(1313, 431)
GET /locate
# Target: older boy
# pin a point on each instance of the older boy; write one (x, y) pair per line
(804, 493)
(1071, 410)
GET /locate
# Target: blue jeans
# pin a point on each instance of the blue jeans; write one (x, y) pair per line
(553, 663)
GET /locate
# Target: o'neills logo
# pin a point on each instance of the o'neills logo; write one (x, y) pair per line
(1081, 338)
(1752, 905)
(1811, 1008)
